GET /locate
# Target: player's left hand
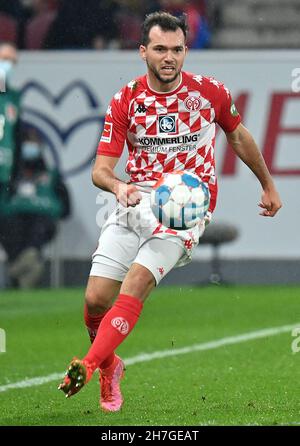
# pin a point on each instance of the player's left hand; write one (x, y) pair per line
(270, 203)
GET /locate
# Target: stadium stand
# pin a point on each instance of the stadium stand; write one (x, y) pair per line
(258, 24)
(8, 28)
(38, 25)
(115, 24)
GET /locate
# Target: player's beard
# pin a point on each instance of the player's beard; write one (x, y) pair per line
(158, 76)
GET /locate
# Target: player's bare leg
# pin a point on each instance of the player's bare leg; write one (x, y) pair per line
(139, 282)
(100, 294)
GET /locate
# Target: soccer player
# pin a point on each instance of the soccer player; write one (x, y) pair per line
(168, 119)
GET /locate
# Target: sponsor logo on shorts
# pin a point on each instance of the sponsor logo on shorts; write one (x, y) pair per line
(107, 132)
(121, 325)
(161, 270)
(188, 244)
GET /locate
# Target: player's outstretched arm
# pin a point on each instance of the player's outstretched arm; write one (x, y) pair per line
(245, 147)
(103, 176)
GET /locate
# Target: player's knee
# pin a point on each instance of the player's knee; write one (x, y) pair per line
(139, 282)
(96, 302)
(147, 280)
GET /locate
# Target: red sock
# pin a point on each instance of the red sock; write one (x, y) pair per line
(114, 328)
(92, 322)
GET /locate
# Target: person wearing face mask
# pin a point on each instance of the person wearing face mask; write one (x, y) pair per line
(38, 199)
(10, 138)
(9, 114)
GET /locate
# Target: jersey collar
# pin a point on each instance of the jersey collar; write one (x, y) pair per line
(178, 86)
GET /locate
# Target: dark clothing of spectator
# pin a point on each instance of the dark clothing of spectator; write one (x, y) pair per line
(37, 201)
(28, 231)
(12, 8)
(79, 22)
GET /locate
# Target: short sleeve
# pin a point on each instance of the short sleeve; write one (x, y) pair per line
(227, 115)
(115, 127)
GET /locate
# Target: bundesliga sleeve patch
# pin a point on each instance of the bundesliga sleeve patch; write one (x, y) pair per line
(233, 110)
(107, 132)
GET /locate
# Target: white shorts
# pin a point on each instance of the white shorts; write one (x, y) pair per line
(133, 235)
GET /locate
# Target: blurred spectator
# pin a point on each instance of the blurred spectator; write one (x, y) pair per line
(8, 29)
(129, 18)
(10, 14)
(39, 199)
(12, 8)
(37, 27)
(199, 33)
(83, 24)
(98, 24)
(10, 138)
(13, 16)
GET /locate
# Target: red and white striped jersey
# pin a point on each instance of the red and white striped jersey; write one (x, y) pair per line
(169, 131)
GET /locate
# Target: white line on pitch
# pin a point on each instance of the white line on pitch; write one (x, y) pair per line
(165, 353)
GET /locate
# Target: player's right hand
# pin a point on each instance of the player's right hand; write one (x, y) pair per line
(128, 195)
(270, 203)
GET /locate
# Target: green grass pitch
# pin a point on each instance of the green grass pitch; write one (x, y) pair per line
(245, 383)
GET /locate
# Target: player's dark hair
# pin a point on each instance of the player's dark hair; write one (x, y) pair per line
(166, 21)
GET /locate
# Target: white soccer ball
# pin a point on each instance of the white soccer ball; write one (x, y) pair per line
(180, 200)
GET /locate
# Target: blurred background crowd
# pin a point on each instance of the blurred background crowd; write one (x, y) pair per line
(34, 196)
(115, 24)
